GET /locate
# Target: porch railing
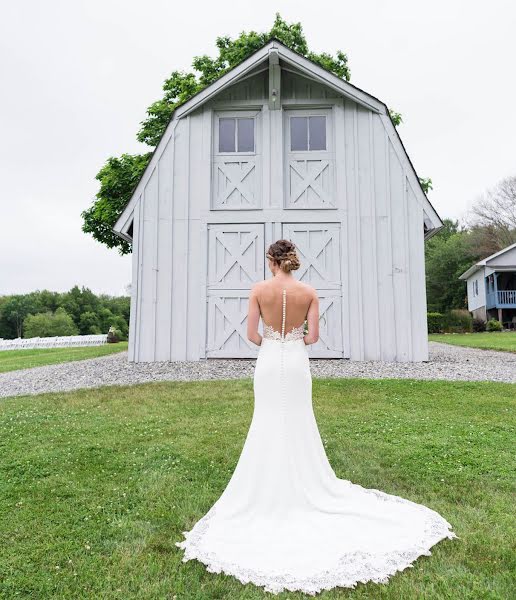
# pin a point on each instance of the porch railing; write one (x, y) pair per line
(501, 298)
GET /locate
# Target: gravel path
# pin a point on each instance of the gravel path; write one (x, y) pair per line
(446, 362)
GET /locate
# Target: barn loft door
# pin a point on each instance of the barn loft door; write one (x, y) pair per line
(309, 159)
(235, 263)
(318, 245)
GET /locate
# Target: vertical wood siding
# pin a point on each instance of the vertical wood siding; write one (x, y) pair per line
(381, 248)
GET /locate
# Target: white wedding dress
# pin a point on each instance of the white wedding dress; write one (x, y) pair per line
(285, 521)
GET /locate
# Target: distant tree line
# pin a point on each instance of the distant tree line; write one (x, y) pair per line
(77, 312)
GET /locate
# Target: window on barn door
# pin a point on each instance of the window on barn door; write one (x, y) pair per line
(308, 133)
(309, 158)
(236, 134)
(236, 164)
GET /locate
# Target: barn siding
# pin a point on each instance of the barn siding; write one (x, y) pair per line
(148, 272)
(355, 317)
(179, 305)
(417, 279)
(134, 313)
(162, 325)
(384, 246)
(387, 331)
(196, 200)
(381, 240)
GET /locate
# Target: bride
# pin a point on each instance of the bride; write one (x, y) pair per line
(285, 521)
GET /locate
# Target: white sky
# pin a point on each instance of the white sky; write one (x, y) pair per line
(76, 78)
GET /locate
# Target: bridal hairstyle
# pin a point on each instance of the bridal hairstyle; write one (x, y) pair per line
(283, 253)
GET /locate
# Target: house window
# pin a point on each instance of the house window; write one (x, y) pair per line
(236, 134)
(476, 287)
(307, 133)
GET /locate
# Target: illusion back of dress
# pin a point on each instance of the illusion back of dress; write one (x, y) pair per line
(296, 301)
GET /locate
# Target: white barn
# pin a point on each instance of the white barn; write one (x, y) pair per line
(278, 147)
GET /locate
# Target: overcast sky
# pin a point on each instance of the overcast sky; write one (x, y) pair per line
(76, 78)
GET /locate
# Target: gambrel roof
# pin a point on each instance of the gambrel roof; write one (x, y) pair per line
(306, 68)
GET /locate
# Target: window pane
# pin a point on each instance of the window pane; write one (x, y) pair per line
(298, 133)
(245, 135)
(226, 135)
(317, 133)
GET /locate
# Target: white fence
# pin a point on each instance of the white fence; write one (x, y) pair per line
(60, 341)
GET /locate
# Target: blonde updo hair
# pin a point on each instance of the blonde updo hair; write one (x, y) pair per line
(283, 253)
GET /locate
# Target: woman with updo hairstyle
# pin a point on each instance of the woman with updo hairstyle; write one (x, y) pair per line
(283, 253)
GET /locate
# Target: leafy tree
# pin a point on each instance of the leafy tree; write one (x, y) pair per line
(14, 310)
(122, 326)
(105, 319)
(46, 300)
(448, 254)
(449, 228)
(78, 301)
(118, 178)
(49, 324)
(89, 324)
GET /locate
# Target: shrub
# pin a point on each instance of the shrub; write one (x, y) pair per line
(49, 324)
(479, 325)
(435, 322)
(458, 321)
(494, 325)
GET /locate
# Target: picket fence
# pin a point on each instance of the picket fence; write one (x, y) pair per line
(60, 341)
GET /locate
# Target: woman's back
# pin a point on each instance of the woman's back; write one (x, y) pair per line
(298, 298)
(283, 295)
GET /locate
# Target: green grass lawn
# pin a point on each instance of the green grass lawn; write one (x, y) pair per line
(10, 360)
(96, 486)
(500, 340)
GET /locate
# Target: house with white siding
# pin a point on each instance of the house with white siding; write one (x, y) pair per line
(491, 287)
(278, 147)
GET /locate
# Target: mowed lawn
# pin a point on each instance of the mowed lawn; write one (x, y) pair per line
(97, 485)
(11, 360)
(499, 340)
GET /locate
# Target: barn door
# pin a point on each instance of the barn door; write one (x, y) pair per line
(235, 263)
(309, 158)
(318, 245)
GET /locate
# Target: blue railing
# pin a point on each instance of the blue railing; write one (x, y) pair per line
(501, 299)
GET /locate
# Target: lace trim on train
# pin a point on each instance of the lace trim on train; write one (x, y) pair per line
(351, 568)
(269, 333)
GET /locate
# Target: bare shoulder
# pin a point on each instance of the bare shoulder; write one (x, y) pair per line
(310, 291)
(257, 287)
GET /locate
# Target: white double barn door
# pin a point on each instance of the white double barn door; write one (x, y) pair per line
(236, 260)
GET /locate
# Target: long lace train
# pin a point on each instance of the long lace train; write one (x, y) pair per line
(352, 567)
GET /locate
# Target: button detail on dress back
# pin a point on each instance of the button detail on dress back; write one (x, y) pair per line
(297, 333)
(284, 313)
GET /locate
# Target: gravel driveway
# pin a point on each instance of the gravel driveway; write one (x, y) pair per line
(446, 362)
